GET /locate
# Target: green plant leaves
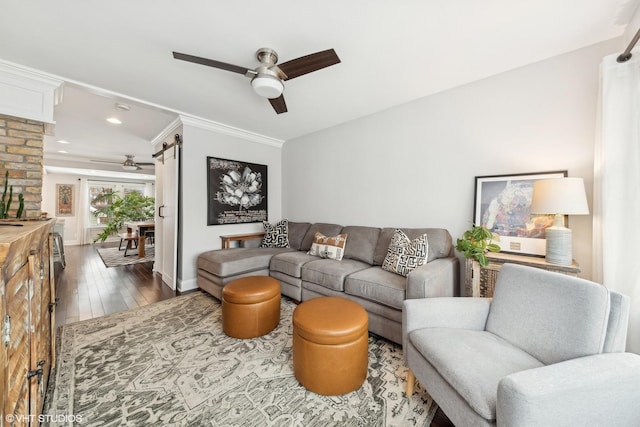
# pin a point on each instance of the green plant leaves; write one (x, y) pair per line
(132, 207)
(476, 242)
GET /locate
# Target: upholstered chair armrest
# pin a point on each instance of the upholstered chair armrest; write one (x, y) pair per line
(446, 312)
(438, 278)
(594, 390)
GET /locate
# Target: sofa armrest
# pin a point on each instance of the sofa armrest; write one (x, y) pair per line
(594, 390)
(438, 278)
(447, 312)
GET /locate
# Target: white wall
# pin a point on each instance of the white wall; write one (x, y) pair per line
(196, 236)
(415, 164)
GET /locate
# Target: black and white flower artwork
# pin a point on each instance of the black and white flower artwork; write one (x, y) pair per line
(237, 192)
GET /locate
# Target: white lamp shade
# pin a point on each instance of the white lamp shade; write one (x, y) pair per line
(267, 86)
(559, 196)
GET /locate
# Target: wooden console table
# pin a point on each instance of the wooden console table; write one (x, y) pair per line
(226, 240)
(480, 281)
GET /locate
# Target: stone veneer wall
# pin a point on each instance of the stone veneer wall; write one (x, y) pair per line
(21, 151)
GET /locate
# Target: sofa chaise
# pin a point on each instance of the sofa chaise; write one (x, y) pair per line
(359, 276)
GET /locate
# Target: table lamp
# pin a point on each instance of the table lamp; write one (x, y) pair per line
(560, 197)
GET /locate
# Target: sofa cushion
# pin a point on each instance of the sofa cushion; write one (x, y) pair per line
(440, 243)
(326, 229)
(291, 263)
(525, 315)
(457, 353)
(275, 235)
(362, 242)
(297, 231)
(331, 247)
(375, 284)
(331, 273)
(229, 262)
(404, 255)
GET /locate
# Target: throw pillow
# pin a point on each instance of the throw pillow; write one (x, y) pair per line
(328, 247)
(404, 255)
(276, 235)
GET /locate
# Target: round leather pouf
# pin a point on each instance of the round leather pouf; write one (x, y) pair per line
(330, 345)
(250, 306)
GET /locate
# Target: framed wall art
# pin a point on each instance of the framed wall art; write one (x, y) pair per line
(236, 192)
(64, 200)
(503, 205)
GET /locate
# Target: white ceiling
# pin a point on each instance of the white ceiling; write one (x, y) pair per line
(391, 52)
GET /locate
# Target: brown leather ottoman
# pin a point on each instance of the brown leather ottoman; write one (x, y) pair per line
(330, 345)
(250, 306)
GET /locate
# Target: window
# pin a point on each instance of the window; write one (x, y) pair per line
(97, 191)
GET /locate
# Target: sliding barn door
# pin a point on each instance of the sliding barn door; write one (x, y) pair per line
(167, 175)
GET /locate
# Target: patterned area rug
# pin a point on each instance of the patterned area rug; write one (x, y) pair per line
(112, 257)
(170, 364)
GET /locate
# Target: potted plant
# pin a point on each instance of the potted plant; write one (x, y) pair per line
(476, 242)
(118, 210)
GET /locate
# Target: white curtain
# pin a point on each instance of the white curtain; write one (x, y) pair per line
(617, 186)
(83, 212)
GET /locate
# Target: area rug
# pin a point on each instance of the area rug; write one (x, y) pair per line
(170, 364)
(112, 257)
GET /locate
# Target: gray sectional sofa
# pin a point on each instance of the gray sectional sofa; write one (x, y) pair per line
(358, 276)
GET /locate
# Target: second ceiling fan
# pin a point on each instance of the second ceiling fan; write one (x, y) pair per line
(129, 164)
(267, 79)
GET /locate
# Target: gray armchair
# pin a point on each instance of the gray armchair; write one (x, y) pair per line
(548, 350)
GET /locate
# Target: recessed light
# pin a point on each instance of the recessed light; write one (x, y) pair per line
(122, 107)
(62, 151)
(62, 141)
(114, 120)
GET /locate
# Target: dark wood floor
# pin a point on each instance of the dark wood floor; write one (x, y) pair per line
(86, 288)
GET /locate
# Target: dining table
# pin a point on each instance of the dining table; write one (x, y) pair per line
(141, 228)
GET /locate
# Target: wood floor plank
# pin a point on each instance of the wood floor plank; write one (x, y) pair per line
(86, 288)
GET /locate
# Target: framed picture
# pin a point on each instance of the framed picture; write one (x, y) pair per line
(236, 192)
(64, 199)
(503, 205)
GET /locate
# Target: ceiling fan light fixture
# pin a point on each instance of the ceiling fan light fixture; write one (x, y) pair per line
(130, 167)
(267, 86)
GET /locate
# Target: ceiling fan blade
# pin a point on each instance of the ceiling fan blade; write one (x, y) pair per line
(309, 63)
(211, 63)
(278, 104)
(107, 161)
(145, 164)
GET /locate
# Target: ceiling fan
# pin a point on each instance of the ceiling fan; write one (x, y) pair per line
(129, 164)
(267, 79)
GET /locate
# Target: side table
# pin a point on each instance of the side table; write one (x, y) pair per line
(240, 238)
(480, 281)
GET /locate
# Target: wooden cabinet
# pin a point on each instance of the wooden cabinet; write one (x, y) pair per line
(28, 324)
(480, 281)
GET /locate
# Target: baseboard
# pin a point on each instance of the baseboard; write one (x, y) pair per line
(187, 285)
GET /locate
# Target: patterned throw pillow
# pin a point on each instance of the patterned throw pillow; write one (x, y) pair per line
(276, 235)
(404, 255)
(328, 247)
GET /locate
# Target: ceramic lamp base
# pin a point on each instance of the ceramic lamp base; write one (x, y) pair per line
(559, 249)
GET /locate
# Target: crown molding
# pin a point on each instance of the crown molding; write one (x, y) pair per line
(168, 132)
(230, 130)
